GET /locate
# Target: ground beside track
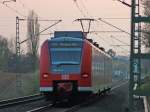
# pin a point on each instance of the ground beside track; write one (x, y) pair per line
(116, 101)
(9, 89)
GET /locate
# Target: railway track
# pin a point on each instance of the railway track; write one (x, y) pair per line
(36, 103)
(20, 100)
(51, 107)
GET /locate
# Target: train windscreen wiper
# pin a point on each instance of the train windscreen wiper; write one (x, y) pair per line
(67, 63)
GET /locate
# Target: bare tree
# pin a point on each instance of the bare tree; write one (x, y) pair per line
(146, 29)
(33, 35)
(11, 45)
(4, 52)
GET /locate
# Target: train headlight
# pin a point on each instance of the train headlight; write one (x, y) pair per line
(45, 75)
(85, 75)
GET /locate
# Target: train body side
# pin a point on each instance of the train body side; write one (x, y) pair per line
(101, 70)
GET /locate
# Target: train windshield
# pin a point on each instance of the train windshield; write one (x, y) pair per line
(65, 60)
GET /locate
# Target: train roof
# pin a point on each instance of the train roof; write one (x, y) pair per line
(73, 34)
(65, 39)
(96, 46)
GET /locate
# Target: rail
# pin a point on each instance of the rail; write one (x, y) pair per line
(90, 100)
(15, 101)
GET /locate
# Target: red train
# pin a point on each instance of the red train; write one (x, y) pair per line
(71, 65)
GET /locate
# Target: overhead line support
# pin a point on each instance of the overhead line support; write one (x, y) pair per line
(42, 30)
(135, 53)
(89, 25)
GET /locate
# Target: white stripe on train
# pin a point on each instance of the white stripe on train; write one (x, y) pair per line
(79, 88)
(46, 88)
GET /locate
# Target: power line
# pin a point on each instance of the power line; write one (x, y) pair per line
(25, 19)
(13, 10)
(124, 49)
(84, 7)
(119, 40)
(100, 37)
(77, 5)
(124, 52)
(6, 1)
(116, 18)
(47, 34)
(40, 19)
(114, 39)
(116, 28)
(119, 45)
(100, 19)
(96, 32)
(123, 2)
(110, 45)
(23, 5)
(106, 31)
(42, 30)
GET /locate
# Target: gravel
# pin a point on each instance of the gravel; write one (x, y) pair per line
(25, 107)
(116, 101)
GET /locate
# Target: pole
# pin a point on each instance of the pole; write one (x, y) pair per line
(131, 83)
(18, 75)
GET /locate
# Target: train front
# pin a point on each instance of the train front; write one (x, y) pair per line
(61, 72)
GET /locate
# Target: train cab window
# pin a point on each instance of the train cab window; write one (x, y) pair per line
(65, 60)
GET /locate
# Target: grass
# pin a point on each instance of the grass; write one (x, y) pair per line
(30, 85)
(36, 81)
(145, 87)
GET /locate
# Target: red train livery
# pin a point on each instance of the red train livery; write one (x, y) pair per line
(72, 65)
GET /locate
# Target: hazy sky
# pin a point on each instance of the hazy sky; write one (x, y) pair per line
(68, 11)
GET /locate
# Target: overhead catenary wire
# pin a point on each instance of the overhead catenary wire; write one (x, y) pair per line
(106, 31)
(13, 10)
(109, 44)
(119, 45)
(114, 38)
(120, 30)
(115, 18)
(119, 40)
(100, 19)
(26, 7)
(123, 49)
(107, 23)
(23, 5)
(123, 2)
(42, 30)
(100, 37)
(77, 5)
(84, 7)
(54, 20)
(124, 52)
